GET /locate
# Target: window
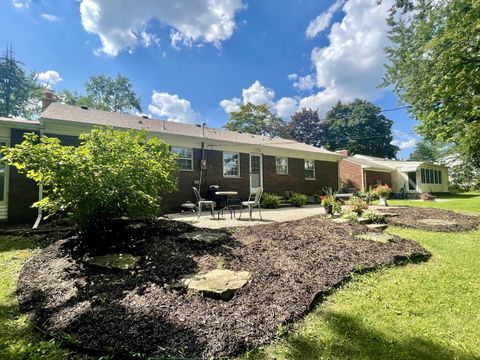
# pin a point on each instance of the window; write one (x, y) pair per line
(432, 176)
(231, 164)
(423, 176)
(439, 176)
(281, 165)
(435, 172)
(185, 157)
(310, 169)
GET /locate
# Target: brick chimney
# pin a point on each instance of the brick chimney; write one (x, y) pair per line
(343, 152)
(48, 97)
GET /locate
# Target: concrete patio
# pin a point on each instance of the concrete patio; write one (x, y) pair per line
(268, 215)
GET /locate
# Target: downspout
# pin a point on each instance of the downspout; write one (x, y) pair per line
(40, 197)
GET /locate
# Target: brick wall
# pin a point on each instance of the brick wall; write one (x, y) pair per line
(351, 174)
(372, 178)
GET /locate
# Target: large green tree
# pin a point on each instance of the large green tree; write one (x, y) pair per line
(434, 65)
(20, 94)
(105, 93)
(256, 119)
(305, 126)
(426, 150)
(359, 127)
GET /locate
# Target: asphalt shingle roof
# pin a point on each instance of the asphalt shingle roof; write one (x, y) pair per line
(71, 113)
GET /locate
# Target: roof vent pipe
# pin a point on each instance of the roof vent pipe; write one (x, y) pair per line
(163, 125)
(203, 129)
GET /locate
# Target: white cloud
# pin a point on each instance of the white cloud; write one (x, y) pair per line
(119, 24)
(305, 82)
(51, 18)
(403, 140)
(147, 39)
(172, 107)
(231, 105)
(292, 77)
(285, 107)
(405, 144)
(49, 78)
(21, 4)
(351, 65)
(322, 21)
(258, 94)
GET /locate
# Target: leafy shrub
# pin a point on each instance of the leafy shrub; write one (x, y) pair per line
(298, 199)
(270, 201)
(349, 215)
(357, 204)
(110, 174)
(374, 216)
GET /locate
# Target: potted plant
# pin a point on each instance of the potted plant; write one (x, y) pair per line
(328, 201)
(357, 205)
(383, 192)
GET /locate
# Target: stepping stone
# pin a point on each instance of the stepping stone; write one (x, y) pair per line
(437, 222)
(210, 238)
(340, 220)
(389, 214)
(375, 236)
(363, 221)
(114, 261)
(376, 226)
(217, 284)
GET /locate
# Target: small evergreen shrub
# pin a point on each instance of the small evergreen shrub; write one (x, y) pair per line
(298, 199)
(270, 201)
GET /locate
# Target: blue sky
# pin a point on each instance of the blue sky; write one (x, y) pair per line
(193, 61)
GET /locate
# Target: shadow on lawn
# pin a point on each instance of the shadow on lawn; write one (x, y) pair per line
(359, 341)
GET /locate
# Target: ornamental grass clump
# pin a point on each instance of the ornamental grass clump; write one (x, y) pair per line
(110, 174)
(329, 202)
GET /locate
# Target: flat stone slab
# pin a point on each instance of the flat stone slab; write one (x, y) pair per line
(340, 220)
(114, 261)
(437, 222)
(387, 214)
(209, 238)
(376, 226)
(375, 236)
(363, 220)
(217, 284)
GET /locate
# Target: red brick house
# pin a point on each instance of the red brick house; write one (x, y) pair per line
(207, 156)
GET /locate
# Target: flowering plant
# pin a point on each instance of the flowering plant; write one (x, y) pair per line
(357, 204)
(329, 197)
(383, 191)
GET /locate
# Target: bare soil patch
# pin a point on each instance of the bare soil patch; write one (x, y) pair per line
(139, 311)
(431, 219)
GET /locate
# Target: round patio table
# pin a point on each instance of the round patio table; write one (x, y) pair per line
(226, 207)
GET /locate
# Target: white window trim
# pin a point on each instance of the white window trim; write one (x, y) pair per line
(223, 164)
(6, 183)
(314, 172)
(276, 168)
(191, 156)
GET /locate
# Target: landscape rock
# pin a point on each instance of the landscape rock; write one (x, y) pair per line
(363, 220)
(376, 226)
(437, 222)
(114, 261)
(387, 214)
(217, 284)
(210, 238)
(340, 220)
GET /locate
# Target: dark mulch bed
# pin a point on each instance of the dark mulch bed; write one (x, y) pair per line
(431, 219)
(138, 311)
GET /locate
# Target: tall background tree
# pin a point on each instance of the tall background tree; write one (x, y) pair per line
(427, 150)
(434, 65)
(256, 119)
(105, 93)
(359, 127)
(305, 126)
(20, 94)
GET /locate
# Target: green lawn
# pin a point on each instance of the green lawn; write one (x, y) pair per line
(424, 311)
(17, 339)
